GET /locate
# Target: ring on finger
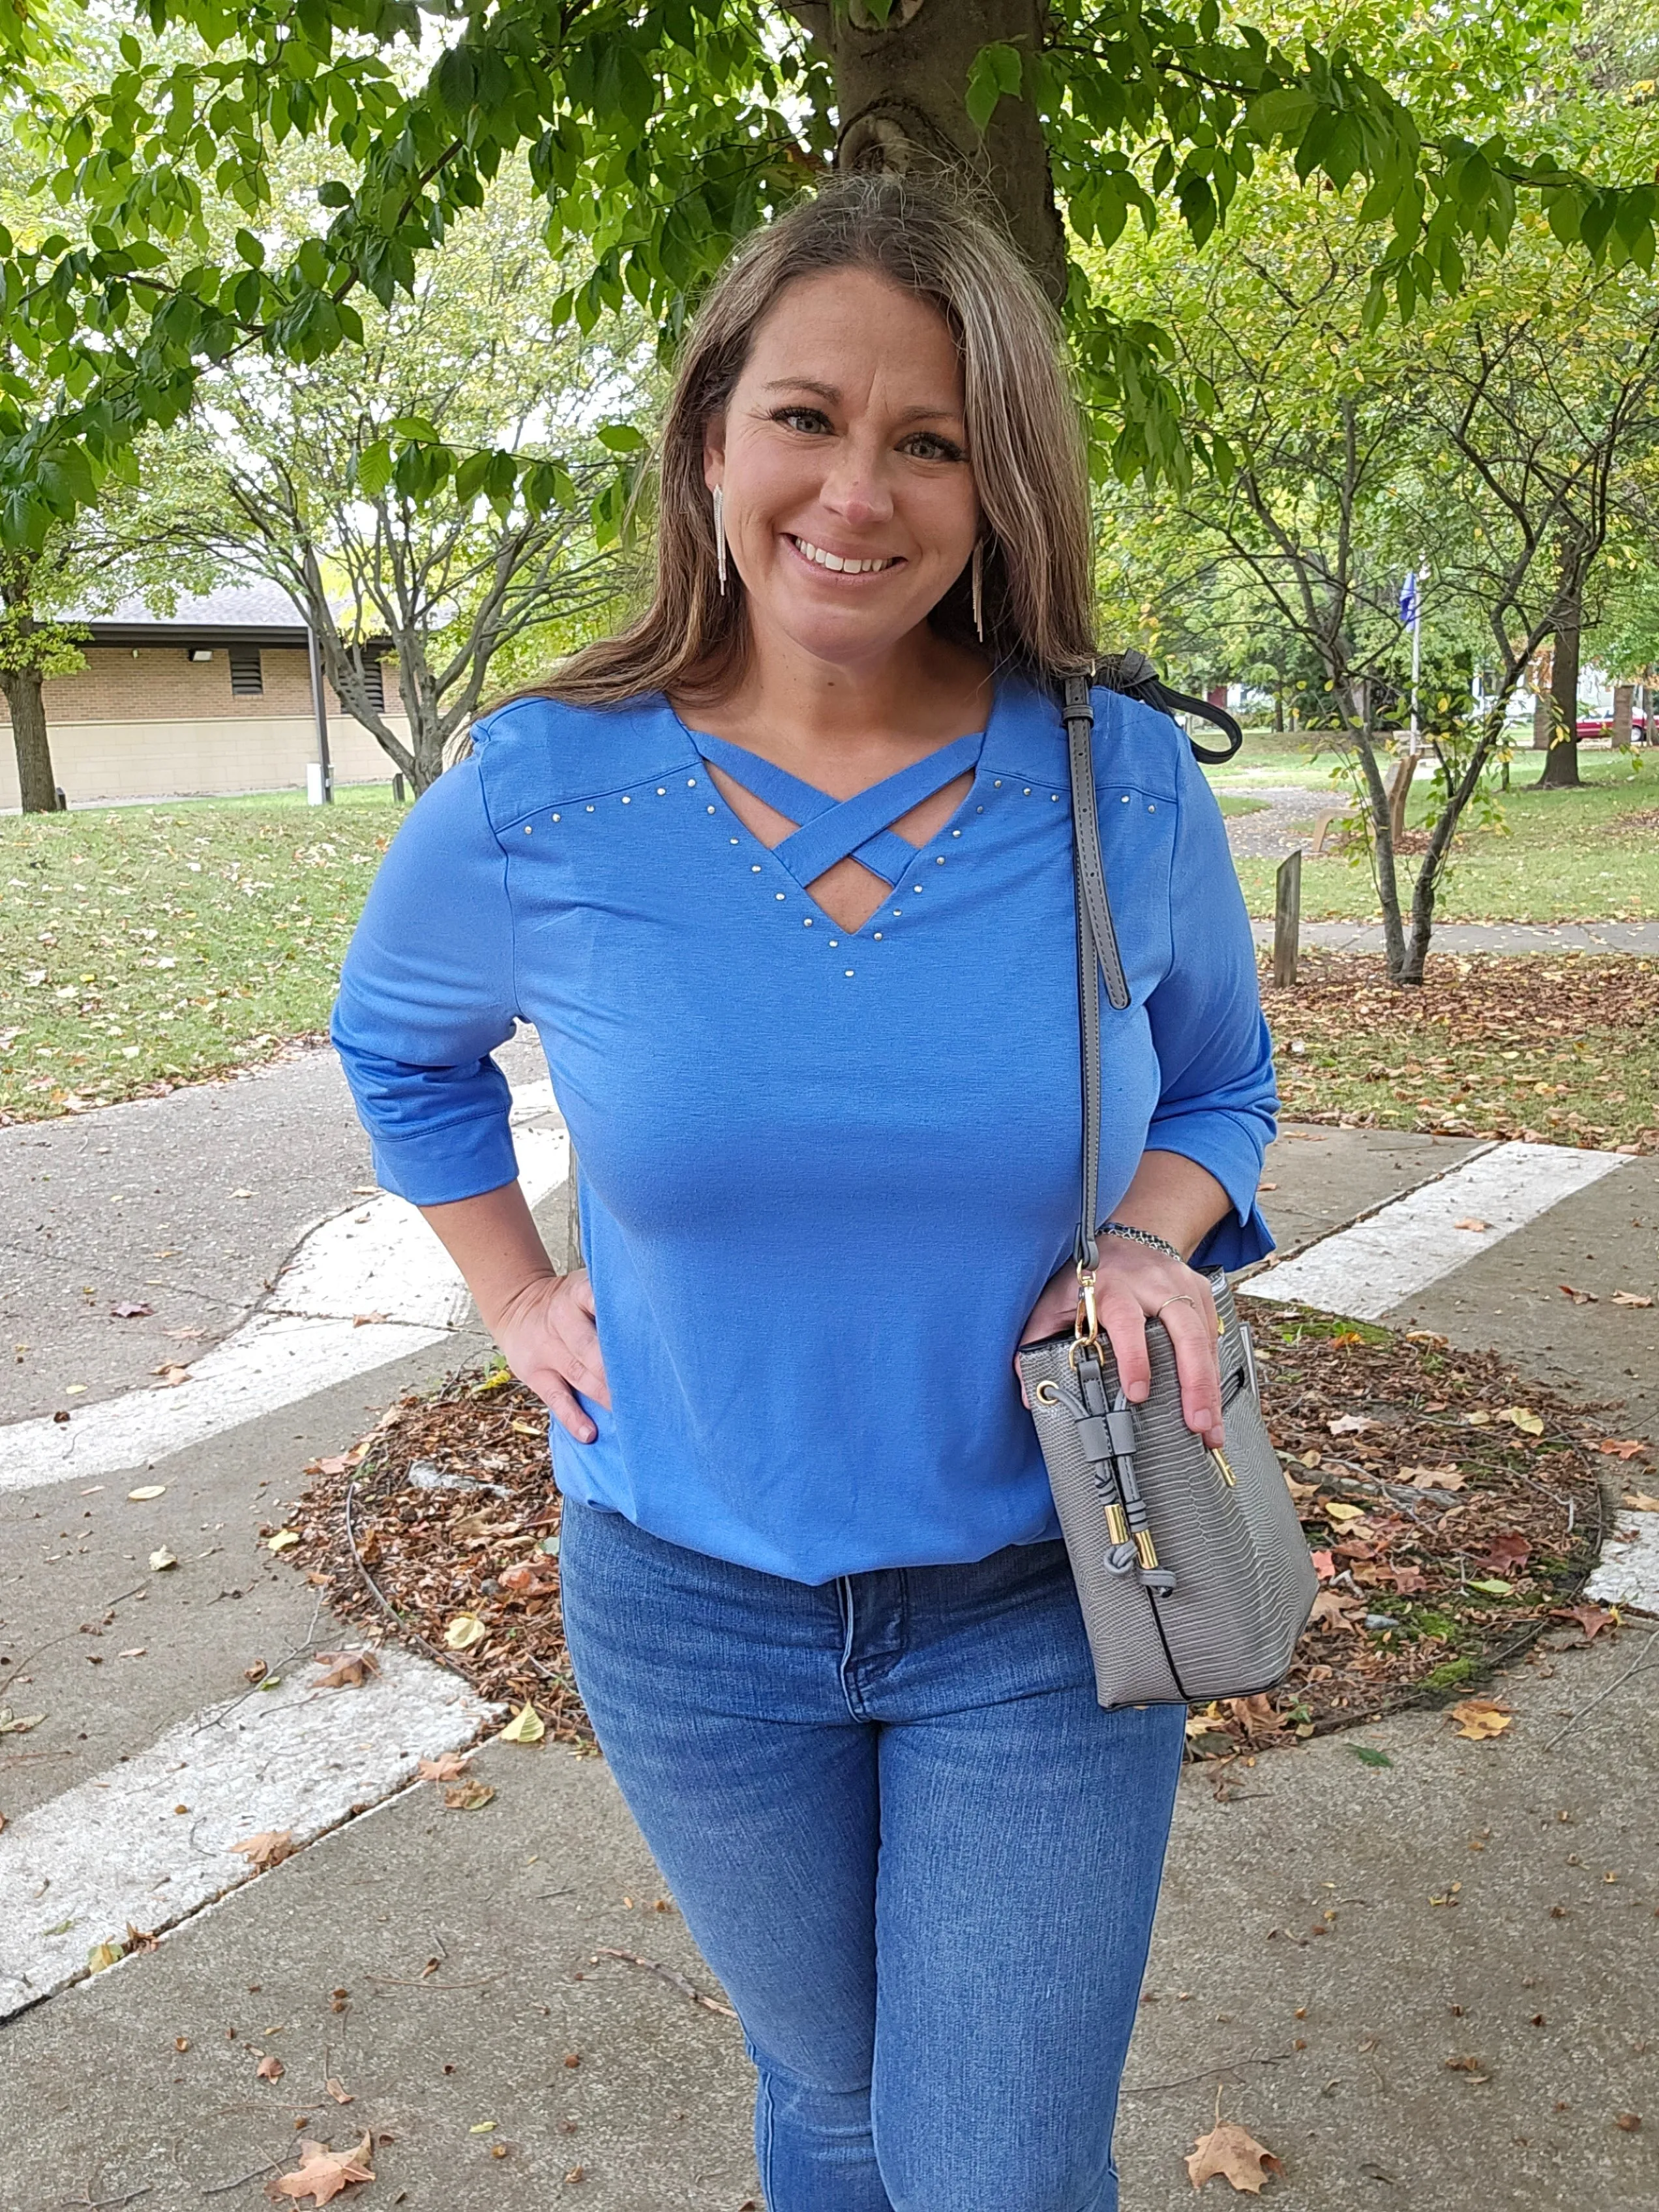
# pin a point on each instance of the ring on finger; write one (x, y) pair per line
(1181, 1298)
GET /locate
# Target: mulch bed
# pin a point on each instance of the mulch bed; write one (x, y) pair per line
(1448, 1534)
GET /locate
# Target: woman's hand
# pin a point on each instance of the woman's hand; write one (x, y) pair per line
(1133, 1283)
(547, 1337)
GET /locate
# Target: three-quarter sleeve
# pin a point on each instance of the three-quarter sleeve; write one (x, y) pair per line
(1217, 1101)
(427, 993)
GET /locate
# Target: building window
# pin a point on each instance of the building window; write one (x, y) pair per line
(247, 678)
(374, 682)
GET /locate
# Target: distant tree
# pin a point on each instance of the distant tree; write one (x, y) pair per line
(495, 521)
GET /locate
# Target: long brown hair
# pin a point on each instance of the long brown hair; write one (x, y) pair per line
(1024, 441)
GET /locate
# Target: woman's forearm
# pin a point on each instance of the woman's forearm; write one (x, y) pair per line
(493, 1239)
(1173, 1198)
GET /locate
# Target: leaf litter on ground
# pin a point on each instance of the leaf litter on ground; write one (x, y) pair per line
(1410, 1464)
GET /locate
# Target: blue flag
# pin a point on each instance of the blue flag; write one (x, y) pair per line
(1409, 599)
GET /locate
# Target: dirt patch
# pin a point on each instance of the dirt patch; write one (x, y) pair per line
(447, 1514)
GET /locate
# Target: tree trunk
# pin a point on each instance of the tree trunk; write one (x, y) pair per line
(901, 92)
(26, 700)
(1561, 762)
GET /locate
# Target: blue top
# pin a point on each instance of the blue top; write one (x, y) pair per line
(824, 1173)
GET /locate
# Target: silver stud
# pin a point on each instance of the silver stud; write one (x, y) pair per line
(777, 895)
(835, 944)
(807, 923)
(997, 786)
(1055, 796)
(732, 841)
(956, 833)
(1028, 791)
(846, 971)
(662, 791)
(590, 809)
(916, 888)
(690, 782)
(556, 817)
(627, 801)
(526, 828)
(711, 809)
(879, 937)
(939, 861)
(1126, 799)
(754, 867)
(897, 911)
(1150, 809)
(979, 810)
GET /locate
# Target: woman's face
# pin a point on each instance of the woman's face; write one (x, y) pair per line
(850, 506)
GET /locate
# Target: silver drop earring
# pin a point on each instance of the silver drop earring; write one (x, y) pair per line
(977, 572)
(720, 535)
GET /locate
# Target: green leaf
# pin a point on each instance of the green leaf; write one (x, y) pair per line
(1281, 114)
(1369, 1755)
(374, 469)
(995, 72)
(621, 438)
(413, 426)
(251, 251)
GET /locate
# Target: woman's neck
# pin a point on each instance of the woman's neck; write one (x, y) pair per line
(790, 705)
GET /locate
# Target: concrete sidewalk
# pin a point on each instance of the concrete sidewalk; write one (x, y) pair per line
(1640, 937)
(1461, 1916)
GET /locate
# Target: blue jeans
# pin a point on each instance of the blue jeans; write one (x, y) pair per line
(919, 1856)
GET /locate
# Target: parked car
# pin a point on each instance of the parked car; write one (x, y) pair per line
(1601, 725)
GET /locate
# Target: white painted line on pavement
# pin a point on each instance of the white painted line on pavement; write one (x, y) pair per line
(123, 1848)
(379, 1259)
(1367, 1270)
(1628, 1573)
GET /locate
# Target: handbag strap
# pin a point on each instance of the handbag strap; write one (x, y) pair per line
(1097, 943)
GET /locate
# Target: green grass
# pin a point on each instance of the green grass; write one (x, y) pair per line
(144, 945)
(1231, 806)
(1554, 856)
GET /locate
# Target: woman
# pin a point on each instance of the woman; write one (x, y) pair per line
(783, 878)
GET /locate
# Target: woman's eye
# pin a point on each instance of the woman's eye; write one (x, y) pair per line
(802, 418)
(927, 446)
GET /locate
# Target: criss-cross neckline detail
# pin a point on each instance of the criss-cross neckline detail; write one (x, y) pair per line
(829, 829)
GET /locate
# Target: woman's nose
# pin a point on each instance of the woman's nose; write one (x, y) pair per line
(856, 488)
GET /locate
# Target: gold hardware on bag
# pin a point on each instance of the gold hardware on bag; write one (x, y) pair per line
(1117, 1525)
(1144, 1546)
(1046, 1393)
(1227, 1474)
(1086, 1326)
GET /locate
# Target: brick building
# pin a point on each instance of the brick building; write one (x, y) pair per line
(214, 698)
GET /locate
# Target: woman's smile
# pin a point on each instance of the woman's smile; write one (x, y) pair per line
(842, 564)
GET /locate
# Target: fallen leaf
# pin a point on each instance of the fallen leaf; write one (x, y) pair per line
(468, 1797)
(1630, 1298)
(142, 1939)
(127, 1310)
(1339, 1510)
(347, 1670)
(172, 1375)
(270, 2068)
(1351, 1425)
(337, 2090)
(1434, 1478)
(1478, 1718)
(1331, 1608)
(1506, 1553)
(1409, 1580)
(1578, 1297)
(1492, 1585)
(1592, 1618)
(526, 1726)
(1324, 1566)
(147, 1490)
(483, 2127)
(364, 1321)
(447, 1767)
(1639, 1501)
(1628, 2121)
(323, 2174)
(268, 1848)
(161, 1560)
(528, 1579)
(1369, 1755)
(13, 1723)
(1238, 2158)
(1520, 1417)
(1469, 1221)
(465, 1631)
(1301, 1491)
(283, 1541)
(104, 1955)
(256, 1673)
(1622, 1447)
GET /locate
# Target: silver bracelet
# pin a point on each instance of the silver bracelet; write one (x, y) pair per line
(1142, 1237)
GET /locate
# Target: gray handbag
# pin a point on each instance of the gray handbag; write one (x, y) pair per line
(1195, 1578)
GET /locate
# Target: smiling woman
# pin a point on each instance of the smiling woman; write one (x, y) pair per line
(783, 878)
